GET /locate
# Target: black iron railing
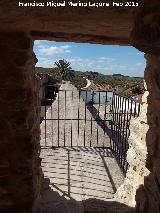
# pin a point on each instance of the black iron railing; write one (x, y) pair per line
(89, 119)
(123, 109)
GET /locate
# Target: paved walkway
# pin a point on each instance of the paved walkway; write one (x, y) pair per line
(76, 178)
(64, 129)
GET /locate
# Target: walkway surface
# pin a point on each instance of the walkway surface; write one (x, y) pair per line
(76, 179)
(71, 122)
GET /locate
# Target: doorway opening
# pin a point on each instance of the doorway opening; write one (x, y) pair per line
(85, 129)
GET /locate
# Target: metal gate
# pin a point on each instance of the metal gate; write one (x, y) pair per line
(72, 118)
(123, 109)
(77, 118)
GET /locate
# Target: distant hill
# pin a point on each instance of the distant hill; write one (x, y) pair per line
(73, 76)
(43, 70)
(125, 85)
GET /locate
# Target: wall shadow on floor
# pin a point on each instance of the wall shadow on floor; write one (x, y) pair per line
(79, 180)
(53, 202)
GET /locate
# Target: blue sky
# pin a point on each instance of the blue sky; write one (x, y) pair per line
(106, 59)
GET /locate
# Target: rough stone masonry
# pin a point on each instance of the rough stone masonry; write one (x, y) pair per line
(20, 171)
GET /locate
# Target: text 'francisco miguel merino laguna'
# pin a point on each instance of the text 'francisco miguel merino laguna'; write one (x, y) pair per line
(78, 4)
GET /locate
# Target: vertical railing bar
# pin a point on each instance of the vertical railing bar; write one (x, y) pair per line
(121, 126)
(78, 111)
(119, 129)
(130, 115)
(52, 117)
(105, 111)
(45, 115)
(65, 99)
(118, 145)
(139, 107)
(91, 121)
(116, 112)
(71, 121)
(131, 109)
(119, 132)
(99, 92)
(135, 108)
(126, 139)
(115, 125)
(117, 108)
(124, 122)
(85, 119)
(97, 134)
(113, 122)
(58, 117)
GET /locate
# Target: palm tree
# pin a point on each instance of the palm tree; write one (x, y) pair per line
(63, 67)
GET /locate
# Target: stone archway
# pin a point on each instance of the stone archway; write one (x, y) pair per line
(19, 109)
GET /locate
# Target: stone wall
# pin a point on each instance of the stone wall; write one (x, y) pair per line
(136, 157)
(20, 171)
(19, 125)
(141, 187)
(148, 195)
(104, 25)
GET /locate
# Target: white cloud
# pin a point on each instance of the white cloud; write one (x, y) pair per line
(101, 64)
(90, 64)
(45, 62)
(108, 59)
(53, 50)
